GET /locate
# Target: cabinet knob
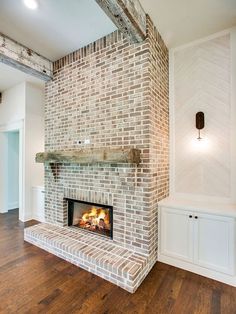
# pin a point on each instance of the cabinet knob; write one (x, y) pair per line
(190, 216)
(196, 217)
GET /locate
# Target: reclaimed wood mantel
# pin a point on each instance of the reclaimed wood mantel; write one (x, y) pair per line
(91, 156)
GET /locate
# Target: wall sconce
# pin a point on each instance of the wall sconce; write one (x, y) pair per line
(200, 123)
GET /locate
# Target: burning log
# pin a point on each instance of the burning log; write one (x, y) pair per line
(101, 224)
(95, 219)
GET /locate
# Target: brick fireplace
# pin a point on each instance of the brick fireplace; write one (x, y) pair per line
(116, 95)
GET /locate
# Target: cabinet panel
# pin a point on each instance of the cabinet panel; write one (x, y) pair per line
(177, 234)
(214, 242)
(38, 203)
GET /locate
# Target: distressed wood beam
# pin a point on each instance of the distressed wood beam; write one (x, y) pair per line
(91, 156)
(22, 58)
(128, 16)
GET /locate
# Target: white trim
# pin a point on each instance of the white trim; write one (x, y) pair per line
(4, 183)
(233, 113)
(25, 218)
(201, 198)
(204, 39)
(12, 126)
(171, 123)
(37, 217)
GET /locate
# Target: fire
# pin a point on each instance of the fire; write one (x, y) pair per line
(95, 219)
(85, 217)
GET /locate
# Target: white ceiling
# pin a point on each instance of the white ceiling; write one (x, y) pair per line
(10, 77)
(57, 27)
(182, 21)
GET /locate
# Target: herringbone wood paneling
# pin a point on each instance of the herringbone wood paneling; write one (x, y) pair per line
(202, 83)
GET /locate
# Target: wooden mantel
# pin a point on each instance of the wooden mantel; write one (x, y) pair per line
(91, 156)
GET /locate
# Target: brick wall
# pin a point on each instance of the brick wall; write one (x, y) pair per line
(159, 125)
(115, 94)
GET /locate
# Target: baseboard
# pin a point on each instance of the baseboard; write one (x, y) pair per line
(230, 280)
(33, 216)
(25, 218)
(39, 218)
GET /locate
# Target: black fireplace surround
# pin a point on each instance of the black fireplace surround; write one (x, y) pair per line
(91, 217)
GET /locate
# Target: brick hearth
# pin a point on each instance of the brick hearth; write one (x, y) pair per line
(97, 255)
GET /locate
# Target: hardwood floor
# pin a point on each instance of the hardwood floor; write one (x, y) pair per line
(34, 281)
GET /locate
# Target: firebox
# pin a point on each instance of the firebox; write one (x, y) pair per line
(92, 217)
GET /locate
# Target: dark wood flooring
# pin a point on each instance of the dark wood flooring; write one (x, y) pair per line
(34, 281)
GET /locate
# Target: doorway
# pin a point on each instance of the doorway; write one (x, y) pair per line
(13, 169)
(11, 179)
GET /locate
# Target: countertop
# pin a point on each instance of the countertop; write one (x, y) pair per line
(217, 208)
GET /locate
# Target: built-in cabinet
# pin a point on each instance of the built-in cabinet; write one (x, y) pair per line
(37, 203)
(177, 234)
(214, 242)
(197, 237)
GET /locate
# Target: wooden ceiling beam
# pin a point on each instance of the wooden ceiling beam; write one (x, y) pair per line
(128, 16)
(22, 58)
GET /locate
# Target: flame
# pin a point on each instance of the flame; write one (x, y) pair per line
(93, 212)
(102, 214)
(94, 215)
(85, 217)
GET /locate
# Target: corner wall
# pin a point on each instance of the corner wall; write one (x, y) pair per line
(34, 142)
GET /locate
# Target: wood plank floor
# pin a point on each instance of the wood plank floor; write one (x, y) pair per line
(34, 281)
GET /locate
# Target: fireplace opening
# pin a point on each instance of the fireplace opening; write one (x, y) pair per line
(91, 217)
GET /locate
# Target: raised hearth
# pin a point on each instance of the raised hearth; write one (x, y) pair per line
(98, 255)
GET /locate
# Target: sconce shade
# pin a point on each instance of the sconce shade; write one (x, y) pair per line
(200, 121)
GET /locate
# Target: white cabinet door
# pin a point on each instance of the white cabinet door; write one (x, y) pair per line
(38, 203)
(214, 242)
(177, 234)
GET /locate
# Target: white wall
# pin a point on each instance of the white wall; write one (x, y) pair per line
(12, 108)
(34, 143)
(201, 79)
(24, 105)
(13, 170)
